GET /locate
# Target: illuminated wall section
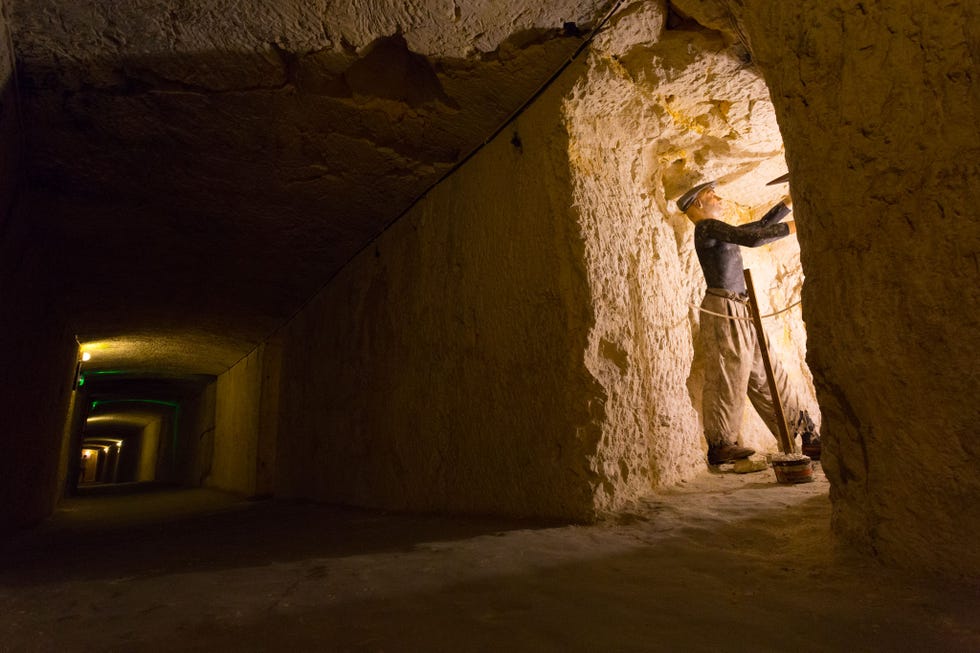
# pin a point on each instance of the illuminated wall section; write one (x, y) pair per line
(246, 422)
(149, 446)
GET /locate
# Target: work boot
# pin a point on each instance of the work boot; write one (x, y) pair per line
(726, 453)
(811, 447)
(807, 430)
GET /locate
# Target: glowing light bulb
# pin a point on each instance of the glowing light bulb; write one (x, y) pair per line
(86, 356)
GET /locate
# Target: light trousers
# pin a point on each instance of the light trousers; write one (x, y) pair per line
(733, 370)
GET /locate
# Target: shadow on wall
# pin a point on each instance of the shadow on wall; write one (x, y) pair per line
(38, 356)
(286, 164)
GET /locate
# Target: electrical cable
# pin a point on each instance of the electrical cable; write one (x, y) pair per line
(452, 170)
(494, 134)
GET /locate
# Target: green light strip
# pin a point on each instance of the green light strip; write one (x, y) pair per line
(159, 402)
(81, 377)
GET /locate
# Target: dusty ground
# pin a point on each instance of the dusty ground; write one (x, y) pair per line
(727, 562)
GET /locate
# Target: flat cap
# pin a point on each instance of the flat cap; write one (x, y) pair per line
(684, 201)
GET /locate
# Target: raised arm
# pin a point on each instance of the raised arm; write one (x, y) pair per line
(775, 214)
(753, 234)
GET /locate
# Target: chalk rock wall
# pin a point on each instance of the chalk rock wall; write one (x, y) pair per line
(258, 145)
(659, 110)
(195, 460)
(878, 105)
(37, 359)
(10, 122)
(245, 422)
(236, 435)
(442, 369)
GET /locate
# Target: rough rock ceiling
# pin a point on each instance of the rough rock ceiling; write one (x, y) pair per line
(202, 168)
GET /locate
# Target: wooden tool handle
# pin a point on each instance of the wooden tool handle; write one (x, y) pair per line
(786, 442)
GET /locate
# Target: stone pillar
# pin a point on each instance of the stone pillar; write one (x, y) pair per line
(878, 105)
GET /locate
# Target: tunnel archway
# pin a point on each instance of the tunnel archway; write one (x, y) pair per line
(151, 425)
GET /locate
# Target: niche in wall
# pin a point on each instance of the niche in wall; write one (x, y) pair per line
(666, 104)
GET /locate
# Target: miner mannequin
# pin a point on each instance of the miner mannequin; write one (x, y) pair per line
(733, 367)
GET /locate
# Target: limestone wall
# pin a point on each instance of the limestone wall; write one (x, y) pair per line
(197, 431)
(442, 369)
(878, 105)
(284, 136)
(37, 358)
(660, 109)
(236, 426)
(268, 426)
(149, 448)
(10, 136)
(242, 445)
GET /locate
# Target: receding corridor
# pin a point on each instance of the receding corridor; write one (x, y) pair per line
(727, 562)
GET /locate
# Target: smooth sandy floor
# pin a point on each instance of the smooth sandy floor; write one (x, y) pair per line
(724, 563)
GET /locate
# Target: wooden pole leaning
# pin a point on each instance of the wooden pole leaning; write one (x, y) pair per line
(786, 442)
